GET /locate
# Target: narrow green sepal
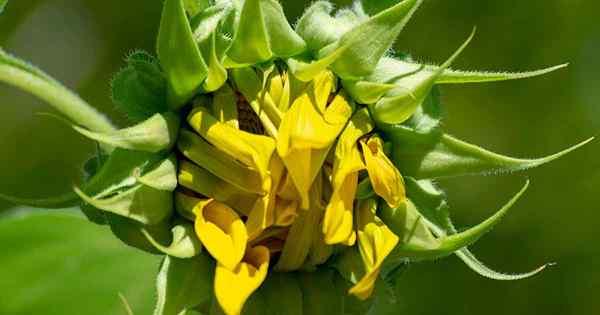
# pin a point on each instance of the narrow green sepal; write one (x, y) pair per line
(179, 55)
(184, 242)
(184, 284)
(472, 262)
(67, 200)
(263, 32)
(363, 46)
(451, 76)
(417, 244)
(155, 134)
(432, 205)
(447, 156)
(411, 91)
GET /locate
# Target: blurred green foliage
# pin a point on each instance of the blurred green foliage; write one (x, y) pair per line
(83, 42)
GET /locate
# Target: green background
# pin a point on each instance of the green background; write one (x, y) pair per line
(82, 42)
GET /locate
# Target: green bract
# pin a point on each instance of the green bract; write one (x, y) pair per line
(289, 165)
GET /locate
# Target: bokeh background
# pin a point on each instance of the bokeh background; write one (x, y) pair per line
(83, 42)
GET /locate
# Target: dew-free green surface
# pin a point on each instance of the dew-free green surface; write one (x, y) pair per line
(82, 42)
(59, 264)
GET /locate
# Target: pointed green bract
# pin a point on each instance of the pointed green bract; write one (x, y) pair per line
(448, 156)
(184, 243)
(184, 284)
(22, 75)
(418, 243)
(432, 205)
(402, 102)
(205, 30)
(179, 55)
(365, 44)
(155, 134)
(262, 33)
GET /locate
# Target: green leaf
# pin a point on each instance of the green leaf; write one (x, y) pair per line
(157, 133)
(262, 33)
(280, 294)
(61, 264)
(363, 46)
(401, 103)
(22, 75)
(179, 55)
(139, 90)
(432, 205)
(418, 243)
(184, 242)
(184, 284)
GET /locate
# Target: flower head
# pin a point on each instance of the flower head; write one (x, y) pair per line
(279, 164)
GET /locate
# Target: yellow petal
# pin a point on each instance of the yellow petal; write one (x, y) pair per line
(305, 138)
(287, 189)
(375, 242)
(205, 183)
(262, 214)
(338, 220)
(252, 150)
(222, 232)
(233, 286)
(385, 177)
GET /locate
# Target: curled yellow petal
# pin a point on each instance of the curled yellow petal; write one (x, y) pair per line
(262, 214)
(338, 220)
(375, 242)
(308, 131)
(205, 183)
(221, 231)
(385, 177)
(252, 150)
(233, 286)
